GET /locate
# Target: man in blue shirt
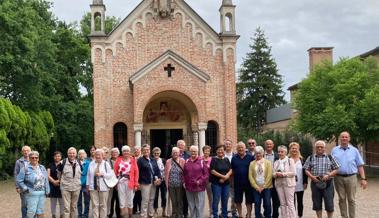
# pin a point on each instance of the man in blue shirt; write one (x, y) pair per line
(240, 167)
(21, 163)
(351, 163)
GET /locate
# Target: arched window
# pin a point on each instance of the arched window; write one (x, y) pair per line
(211, 135)
(120, 135)
(97, 19)
(229, 22)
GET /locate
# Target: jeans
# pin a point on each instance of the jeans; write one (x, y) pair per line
(83, 194)
(266, 196)
(220, 191)
(23, 205)
(35, 202)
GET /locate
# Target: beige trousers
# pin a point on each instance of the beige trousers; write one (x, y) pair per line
(99, 203)
(346, 188)
(70, 202)
(148, 194)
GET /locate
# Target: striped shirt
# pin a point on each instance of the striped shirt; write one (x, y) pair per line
(320, 165)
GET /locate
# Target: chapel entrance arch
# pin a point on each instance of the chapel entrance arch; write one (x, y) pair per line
(168, 117)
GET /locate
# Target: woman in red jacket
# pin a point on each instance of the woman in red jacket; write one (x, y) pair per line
(126, 170)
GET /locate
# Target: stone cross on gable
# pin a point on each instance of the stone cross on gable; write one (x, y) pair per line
(169, 69)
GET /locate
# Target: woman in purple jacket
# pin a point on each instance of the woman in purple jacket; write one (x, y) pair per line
(195, 179)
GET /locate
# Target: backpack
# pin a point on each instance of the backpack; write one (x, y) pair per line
(329, 156)
(77, 160)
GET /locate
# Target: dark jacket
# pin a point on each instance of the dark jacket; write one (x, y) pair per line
(145, 171)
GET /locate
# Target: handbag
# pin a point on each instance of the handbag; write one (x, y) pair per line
(112, 180)
(321, 184)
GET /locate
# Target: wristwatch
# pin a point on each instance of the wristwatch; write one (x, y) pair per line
(363, 179)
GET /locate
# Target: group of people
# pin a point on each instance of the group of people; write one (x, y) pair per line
(251, 174)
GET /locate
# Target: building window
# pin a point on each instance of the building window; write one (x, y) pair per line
(120, 135)
(211, 135)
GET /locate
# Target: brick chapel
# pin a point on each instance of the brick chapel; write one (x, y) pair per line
(164, 74)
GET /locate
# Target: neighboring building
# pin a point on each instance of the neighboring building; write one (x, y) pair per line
(278, 119)
(164, 74)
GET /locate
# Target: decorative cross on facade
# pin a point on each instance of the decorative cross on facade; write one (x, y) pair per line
(169, 69)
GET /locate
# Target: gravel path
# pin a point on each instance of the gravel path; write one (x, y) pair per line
(367, 202)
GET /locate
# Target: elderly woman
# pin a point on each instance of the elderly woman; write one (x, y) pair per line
(174, 181)
(162, 187)
(71, 172)
(301, 177)
(97, 171)
(113, 193)
(285, 182)
(260, 177)
(207, 162)
(33, 181)
(126, 170)
(55, 192)
(220, 175)
(195, 180)
(149, 178)
(84, 194)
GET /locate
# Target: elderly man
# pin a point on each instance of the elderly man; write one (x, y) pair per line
(21, 163)
(252, 143)
(240, 167)
(351, 163)
(71, 172)
(229, 154)
(272, 156)
(321, 168)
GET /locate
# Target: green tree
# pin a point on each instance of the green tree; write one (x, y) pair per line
(26, 52)
(340, 97)
(259, 86)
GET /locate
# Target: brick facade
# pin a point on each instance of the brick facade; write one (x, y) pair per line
(140, 39)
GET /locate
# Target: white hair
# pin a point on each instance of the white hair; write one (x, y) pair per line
(175, 149)
(25, 147)
(259, 150)
(194, 147)
(125, 148)
(241, 143)
(115, 150)
(82, 151)
(33, 153)
(99, 150)
(320, 142)
(72, 149)
(283, 147)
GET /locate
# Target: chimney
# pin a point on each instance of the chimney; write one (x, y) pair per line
(319, 54)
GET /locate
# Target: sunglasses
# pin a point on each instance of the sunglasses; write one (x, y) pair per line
(251, 143)
(33, 157)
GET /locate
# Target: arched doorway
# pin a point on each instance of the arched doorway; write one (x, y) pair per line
(168, 117)
(211, 135)
(120, 135)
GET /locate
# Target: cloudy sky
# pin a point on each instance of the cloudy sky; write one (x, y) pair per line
(292, 26)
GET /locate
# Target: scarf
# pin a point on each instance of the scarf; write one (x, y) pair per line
(282, 162)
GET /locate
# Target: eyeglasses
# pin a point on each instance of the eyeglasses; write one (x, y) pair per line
(33, 158)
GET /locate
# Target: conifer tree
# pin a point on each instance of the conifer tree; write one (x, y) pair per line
(259, 86)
